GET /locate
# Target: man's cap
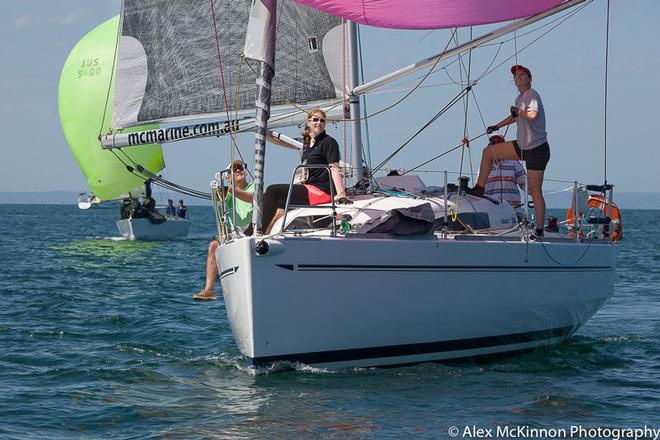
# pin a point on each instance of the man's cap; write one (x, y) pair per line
(236, 165)
(496, 139)
(518, 67)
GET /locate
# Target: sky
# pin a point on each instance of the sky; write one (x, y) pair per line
(568, 71)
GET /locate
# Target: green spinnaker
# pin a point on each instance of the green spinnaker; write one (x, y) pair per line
(86, 82)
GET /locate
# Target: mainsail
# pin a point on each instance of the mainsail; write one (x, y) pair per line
(180, 60)
(83, 90)
(430, 14)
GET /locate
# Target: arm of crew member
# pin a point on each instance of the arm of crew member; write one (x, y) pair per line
(274, 140)
(506, 121)
(241, 194)
(337, 179)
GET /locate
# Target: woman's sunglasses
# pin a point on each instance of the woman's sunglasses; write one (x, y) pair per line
(317, 119)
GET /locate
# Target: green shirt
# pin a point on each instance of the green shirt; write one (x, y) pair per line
(243, 208)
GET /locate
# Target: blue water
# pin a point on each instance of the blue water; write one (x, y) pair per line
(99, 338)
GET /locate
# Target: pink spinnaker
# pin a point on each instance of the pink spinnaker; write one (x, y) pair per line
(430, 14)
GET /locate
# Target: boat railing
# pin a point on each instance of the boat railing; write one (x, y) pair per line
(288, 206)
(218, 200)
(585, 223)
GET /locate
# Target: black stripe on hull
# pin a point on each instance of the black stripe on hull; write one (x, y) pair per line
(397, 268)
(356, 354)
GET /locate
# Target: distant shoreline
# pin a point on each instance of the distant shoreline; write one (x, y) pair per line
(625, 200)
(69, 198)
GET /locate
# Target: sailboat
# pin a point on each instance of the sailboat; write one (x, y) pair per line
(347, 286)
(85, 82)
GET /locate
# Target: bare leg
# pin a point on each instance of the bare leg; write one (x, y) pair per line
(211, 266)
(208, 294)
(535, 178)
(278, 214)
(505, 150)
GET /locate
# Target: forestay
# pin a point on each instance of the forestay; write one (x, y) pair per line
(169, 68)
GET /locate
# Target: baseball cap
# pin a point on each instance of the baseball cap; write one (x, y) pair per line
(518, 67)
(236, 165)
(496, 139)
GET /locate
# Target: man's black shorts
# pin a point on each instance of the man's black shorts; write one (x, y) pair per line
(537, 158)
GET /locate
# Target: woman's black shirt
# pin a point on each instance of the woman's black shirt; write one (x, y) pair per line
(325, 151)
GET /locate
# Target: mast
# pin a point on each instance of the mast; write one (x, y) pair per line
(260, 46)
(354, 101)
(264, 81)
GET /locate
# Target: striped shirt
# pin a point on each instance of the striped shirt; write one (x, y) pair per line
(503, 182)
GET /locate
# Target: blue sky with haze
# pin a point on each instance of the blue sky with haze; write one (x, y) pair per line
(568, 72)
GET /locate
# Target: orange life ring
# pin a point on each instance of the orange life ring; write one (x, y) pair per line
(597, 201)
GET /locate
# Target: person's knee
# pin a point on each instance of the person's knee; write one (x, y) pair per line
(213, 245)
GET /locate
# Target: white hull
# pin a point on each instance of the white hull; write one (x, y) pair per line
(142, 229)
(418, 299)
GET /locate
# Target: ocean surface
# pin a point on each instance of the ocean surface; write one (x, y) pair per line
(99, 338)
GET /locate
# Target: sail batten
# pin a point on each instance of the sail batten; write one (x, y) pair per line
(168, 67)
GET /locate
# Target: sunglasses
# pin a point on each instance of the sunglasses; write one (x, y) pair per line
(317, 119)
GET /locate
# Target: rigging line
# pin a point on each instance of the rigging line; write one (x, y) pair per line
(565, 18)
(531, 31)
(387, 63)
(461, 67)
(415, 78)
(450, 104)
(562, 18)
(112, 72)
(129, 168)
(515, 46)
(607, 52)
(444, 153)
(171, 185)
(220, 67)
(439, 171)
(293, 104)
(476, 103)
(143, 172)
(275, 92)
(413, 89)
(298, 107)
